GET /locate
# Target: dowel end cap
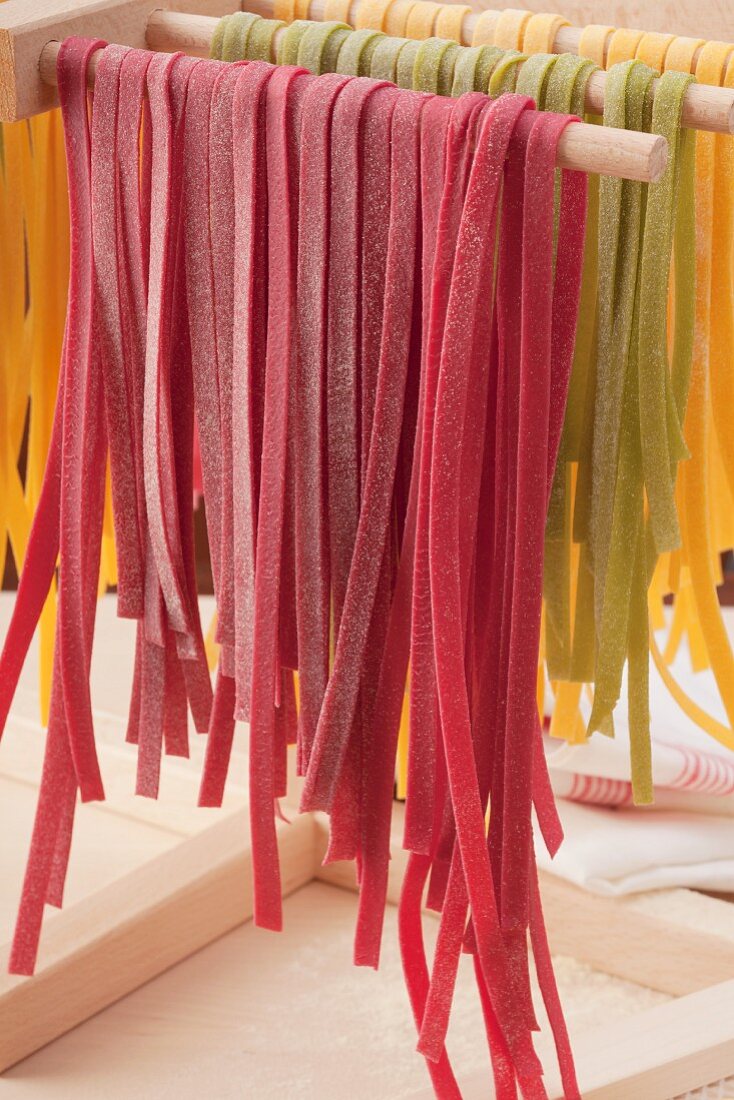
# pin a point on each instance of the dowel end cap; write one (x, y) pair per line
(658, 158)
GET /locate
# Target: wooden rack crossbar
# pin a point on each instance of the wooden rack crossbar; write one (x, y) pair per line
(584, 148)
(26, 26)
(704, 108)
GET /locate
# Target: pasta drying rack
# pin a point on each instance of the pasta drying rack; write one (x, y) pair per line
(121, 935)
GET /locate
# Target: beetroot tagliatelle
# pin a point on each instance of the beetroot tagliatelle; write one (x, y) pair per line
(354, 306)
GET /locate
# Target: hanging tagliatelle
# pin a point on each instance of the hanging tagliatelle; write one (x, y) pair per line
(703, 484)
(311, 276)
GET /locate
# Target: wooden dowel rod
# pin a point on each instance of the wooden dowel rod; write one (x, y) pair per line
(594, 149)
(705, 107)
(600, 150)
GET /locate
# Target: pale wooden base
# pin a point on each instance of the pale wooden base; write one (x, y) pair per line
(110, 943)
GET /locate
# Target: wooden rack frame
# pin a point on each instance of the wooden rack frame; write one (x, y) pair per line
(28, 26)
(29, 46)
(111, 943)
(126, 934)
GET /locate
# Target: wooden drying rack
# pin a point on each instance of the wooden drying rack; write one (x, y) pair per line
(110, 943)
(30, 33)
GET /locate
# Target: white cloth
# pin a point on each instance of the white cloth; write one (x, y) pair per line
(691, 770)
(687, 839)
(614, 852)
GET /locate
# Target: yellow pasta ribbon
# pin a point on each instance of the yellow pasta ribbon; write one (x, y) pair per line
(421, 18)
(540, 33)
(623, 46)
(694, 475)
(510, 28)
(335, 11)
(371, 15)
(484, 29)
(396, 17)
(652, 50)
(450, 21)
(285, 10)
(593, 43)
(681, 55)
(722, 294)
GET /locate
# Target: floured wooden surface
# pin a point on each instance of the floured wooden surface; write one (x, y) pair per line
(254, 1015)
(260, 1016)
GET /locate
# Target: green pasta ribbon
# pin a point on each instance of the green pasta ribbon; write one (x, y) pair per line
(504, 75)
(236, 35)
(291, 40)
(620, 224)
(533, 77)
(406, 62)
(489, 58)
(446, 68)
(332, 49)
(260, 39)
(217, 43)
(663, 444)
(384, 65)
(312, 47)
(465, 69)
(356, 53)
(650, 404)
(427, 64)
(565, 93)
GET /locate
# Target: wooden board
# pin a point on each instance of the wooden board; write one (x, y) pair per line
(119, 937)
(150, 885)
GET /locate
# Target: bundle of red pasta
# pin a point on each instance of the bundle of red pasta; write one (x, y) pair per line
(365, 301)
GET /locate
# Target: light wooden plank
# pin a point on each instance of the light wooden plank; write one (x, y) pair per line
(105, 847)
(612, 936)
(653, 1055)
(176, 810)
(112, 942)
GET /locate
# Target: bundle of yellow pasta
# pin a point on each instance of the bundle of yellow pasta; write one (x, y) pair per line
(34, 271)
